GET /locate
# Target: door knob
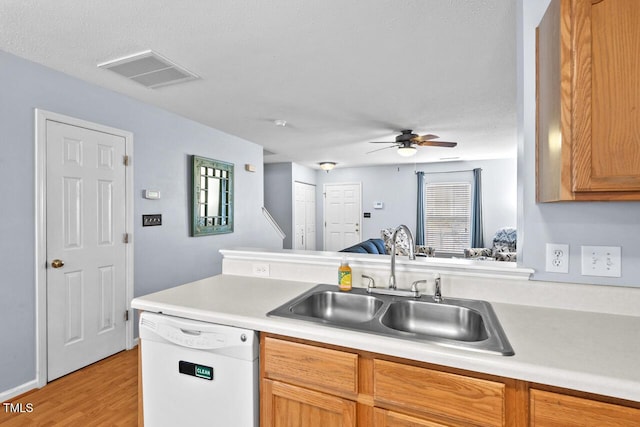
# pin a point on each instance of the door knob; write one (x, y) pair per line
(57, 263)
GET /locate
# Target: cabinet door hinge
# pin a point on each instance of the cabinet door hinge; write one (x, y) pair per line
(125, 238)
(125, 160)
(126, 315)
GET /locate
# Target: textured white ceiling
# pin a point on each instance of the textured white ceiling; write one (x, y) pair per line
(340, 72)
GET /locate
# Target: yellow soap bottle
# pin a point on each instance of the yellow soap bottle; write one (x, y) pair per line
(344, 276)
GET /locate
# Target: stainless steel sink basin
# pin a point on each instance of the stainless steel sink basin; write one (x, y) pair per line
(338, 307)
(457, 323)
(436, 320)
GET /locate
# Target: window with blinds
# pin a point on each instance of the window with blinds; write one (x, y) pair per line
(448, 217)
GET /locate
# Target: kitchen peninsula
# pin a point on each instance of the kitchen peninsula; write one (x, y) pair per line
(575, 346)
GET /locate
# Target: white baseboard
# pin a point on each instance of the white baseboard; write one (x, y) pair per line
(16, 391)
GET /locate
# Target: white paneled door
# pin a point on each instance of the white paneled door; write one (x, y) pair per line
(86, 254)
(305, 216)
(342, 212)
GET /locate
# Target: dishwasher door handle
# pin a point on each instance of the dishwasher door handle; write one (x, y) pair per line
(192, 338)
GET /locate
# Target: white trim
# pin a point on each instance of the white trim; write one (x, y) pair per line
(5, 396)
(324, 209)
(41, 117)
(453, 267)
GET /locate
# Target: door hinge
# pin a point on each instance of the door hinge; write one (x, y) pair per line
(125, 160)
(126, 315)
(125, 238)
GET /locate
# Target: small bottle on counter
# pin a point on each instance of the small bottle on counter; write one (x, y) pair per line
(344, 276)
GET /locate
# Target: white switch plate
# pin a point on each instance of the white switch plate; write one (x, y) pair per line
(557, 258)
(601, 261)
(261, 269)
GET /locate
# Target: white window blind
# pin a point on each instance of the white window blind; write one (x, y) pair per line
(448, 216)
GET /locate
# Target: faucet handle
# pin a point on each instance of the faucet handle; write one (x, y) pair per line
(372, 283)
(414, 285)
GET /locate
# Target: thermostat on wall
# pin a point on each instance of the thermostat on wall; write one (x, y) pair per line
(378, 205)
(151, 194)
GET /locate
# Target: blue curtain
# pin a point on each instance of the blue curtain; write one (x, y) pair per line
(477, 231)
(421, 210)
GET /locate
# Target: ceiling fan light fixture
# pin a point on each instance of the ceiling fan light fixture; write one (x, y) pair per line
(327, 166)
(407, 151)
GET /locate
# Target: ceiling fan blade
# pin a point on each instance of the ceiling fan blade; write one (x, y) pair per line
(380, 149)
(381, 142)
(436, 144)
(426, 137)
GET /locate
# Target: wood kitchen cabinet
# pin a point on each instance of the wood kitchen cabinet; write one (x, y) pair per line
(384, 418)
(588, 101)
(286, 405)
(309, 384)
(557, 409)
(439, 395)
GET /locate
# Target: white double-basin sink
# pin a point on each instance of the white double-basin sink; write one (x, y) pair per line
(458, 323)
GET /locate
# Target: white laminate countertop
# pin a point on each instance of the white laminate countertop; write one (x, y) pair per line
(592, 352)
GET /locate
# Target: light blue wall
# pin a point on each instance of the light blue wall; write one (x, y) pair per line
(278, 180)
(572, 223)
(396, 187)
(279, 193)
(164, 256)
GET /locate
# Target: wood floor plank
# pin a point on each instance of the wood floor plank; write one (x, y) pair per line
(102, 394)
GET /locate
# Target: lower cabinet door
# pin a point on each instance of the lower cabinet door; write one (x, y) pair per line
(384, 418)
(286, 405)
(558, 410)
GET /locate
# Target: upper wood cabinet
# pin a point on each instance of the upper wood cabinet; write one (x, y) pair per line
(588, 101)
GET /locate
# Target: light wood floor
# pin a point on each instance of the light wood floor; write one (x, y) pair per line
(102, 394)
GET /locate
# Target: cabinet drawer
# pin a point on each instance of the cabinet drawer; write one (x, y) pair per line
(384, 418)
(310, 366)
(457, 397)
(554, 409)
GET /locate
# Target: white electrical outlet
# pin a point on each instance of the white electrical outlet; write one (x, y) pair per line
(557, 257)
(261, 270)
(601, 261)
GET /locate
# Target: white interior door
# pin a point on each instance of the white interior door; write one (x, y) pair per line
(304, 216)
(310, 217)
(86, 254)
(342, 212)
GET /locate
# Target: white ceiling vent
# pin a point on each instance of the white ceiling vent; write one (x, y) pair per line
(149, 69)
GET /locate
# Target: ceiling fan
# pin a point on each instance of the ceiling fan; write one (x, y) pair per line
(407, 141)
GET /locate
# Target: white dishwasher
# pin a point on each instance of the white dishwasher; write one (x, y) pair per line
(198, 374)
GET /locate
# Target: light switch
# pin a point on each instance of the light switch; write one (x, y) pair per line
(601, 261)
(151, 220)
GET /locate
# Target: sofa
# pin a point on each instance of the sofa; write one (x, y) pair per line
(371, 246)
(383, 246)
(503, 247)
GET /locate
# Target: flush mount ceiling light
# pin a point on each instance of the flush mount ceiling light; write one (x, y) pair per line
(407, 151)
(327, 166)
(280, 122)
(150, 69)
